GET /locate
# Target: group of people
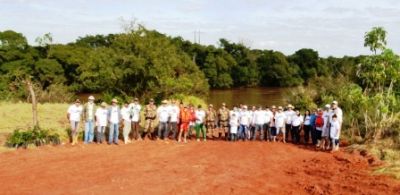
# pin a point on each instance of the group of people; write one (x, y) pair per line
(176, 121)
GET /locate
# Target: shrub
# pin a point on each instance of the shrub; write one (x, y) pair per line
(35, 136)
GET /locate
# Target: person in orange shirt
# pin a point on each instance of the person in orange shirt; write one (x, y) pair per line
(185, 117)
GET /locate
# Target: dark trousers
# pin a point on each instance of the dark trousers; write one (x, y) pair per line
(313, 135)
(296, 134)
(288, 128)
(267, 132)
(135, 130)
(162, 130)
(173, 126)
(307, 132)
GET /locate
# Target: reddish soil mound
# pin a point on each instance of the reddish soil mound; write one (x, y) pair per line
(171, 168)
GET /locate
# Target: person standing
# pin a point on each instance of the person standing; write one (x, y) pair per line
(338, 111)
(199, 127)
(307, 127)
(185, 117)
(244, 120)
(163, 116)
(211, 115)
(335, 128)
(135, 108)
(126, 118)
(223, 121)
(280, 121)
(297, 122)
(74, 114)
(288, 127)
(259, 121)
(272, 128)
(192, 122)
(114, 118)
(173, 119)
(313, 118)
(88, 113)
(319, 125)
(101, 122)
(234, 125)
(150, 114)
(325, 144)
(267, 125)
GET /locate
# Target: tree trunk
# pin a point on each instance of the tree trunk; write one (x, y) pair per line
(34, 104)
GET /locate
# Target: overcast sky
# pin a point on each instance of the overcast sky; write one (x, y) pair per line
(332, 27)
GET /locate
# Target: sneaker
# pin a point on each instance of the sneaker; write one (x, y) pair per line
(197, 140)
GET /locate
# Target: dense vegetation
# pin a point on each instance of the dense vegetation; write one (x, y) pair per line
(145, 63)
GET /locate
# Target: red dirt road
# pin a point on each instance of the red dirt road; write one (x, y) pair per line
(194, 168)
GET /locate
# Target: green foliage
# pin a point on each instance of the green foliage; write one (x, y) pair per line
(37, 137)
(375, 39)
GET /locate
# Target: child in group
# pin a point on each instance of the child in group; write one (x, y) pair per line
(234, 125)
(335, 132)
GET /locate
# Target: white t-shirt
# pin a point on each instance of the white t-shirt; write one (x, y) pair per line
(280, 118)
(339, 114)
(114, 114)
(200, 115)
(135, 111)
(326, 116)
(126, 114)
(234, 123)
(268, 116)
(259, 117)
(101, 116)
(75, 112)
(335, 128)
(307, 120)
(163, 114)
(289, 115)
(174, 113)
(245, 117)
(297, 120)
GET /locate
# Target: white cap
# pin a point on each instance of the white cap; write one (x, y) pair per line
(335, 102)
(327, 106)
(91, 97)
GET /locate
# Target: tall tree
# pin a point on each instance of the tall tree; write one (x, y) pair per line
(375, 39)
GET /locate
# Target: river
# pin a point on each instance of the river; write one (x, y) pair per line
(249, 96)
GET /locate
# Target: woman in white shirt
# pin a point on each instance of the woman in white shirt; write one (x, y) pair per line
(101, 122)
(297, 121)
(307, 126)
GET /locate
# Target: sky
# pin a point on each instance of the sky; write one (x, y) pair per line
(332, 27)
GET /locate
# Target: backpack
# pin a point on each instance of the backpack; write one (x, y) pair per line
(319, 121)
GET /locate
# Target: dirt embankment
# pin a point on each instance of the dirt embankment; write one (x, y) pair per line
(170, 168)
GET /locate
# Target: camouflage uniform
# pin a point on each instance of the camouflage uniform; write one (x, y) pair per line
(210, 121)
(150, 114)
(223, 121)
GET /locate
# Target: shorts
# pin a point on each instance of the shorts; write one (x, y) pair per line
(184, 127)
(280, 129)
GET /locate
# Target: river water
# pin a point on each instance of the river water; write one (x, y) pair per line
(249, 96)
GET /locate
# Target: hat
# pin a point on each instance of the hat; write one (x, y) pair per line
(164, 102)
(103, 104)
(290, 106)
(210, 105)
(223, 104)
(135, 99)
(273, 107)
(245, 107)
(327, 106)
(280, 108)
(151, 100)
(77, 101)
(335, 102)
(91, 98)
(114, 100)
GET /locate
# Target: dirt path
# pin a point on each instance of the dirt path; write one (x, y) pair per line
(170, 168)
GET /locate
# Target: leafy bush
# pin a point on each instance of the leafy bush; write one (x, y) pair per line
(35, 136)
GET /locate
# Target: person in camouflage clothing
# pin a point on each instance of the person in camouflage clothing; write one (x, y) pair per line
(211, 116)
(150, 115)
(223, 121)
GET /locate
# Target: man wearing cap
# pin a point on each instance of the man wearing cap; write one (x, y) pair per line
(335, 111)
(290, 113)
(126, 118)
(88, 113)
(163, 116)
(114, 118)
(150, 114)
(259, 118)
(101, 122)
(210, 120)
(135, 108)
(173, 119)
(268, 117)
(74, 116)
(223, 121)
(244, 120)
(280, 121)
(272, 128)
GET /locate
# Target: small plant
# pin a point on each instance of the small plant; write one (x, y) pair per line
(35, 136)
